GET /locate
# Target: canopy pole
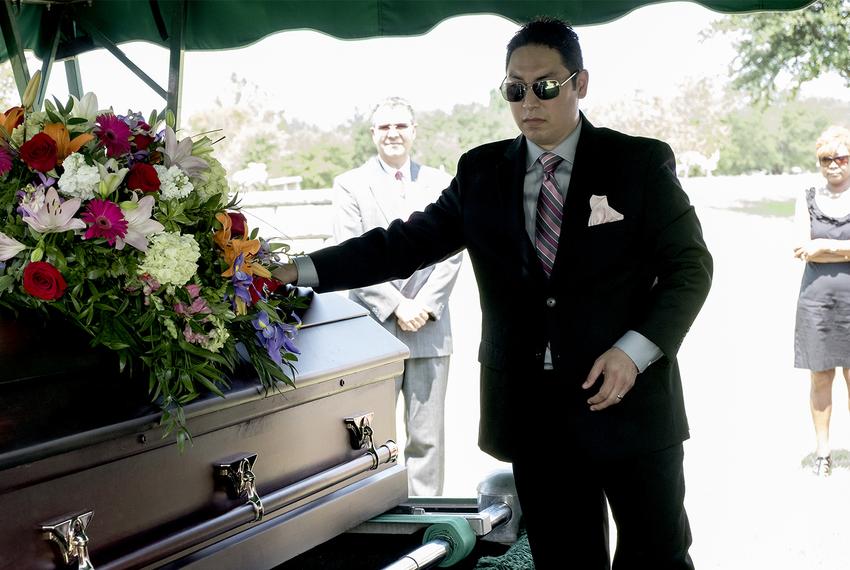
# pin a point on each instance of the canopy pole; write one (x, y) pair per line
(177, 47)
(12, 39)
(75, 80)
(107, 44)
(47, 67)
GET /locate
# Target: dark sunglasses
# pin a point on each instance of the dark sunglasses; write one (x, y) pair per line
(515, 91)
(839, 160)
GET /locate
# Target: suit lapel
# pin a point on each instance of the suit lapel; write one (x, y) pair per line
(577, 205)
(511, 179)
(385, 192)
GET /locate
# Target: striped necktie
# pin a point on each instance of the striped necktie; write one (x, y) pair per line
(550, 213)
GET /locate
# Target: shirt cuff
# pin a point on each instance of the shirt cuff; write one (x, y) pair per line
(640, 349)
(307, 276)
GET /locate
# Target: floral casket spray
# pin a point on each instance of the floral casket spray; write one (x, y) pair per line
(127, 229)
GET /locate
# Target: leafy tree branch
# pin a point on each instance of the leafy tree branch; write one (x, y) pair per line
(792, 47)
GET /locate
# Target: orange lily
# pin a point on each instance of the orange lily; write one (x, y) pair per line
(64, 144)
(12, 118)
(233, 248)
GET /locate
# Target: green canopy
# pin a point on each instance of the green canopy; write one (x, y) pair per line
(217, 24)
(59, 30)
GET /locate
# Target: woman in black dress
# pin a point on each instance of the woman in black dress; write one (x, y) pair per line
(822, 332)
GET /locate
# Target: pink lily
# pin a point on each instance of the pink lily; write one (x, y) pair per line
(180, 154)
(55, 216)
(139, 223)
(9, 247)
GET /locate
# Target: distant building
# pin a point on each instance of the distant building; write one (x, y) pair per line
(256, 177)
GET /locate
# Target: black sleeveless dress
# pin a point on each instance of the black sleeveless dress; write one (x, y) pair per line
(822, 331)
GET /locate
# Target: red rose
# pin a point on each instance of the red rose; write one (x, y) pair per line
(264, 286)
(238, 225)
(143, 177)
(44, 281)
(142, 142)
(39, 153)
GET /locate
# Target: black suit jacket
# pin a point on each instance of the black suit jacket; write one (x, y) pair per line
(649, 272)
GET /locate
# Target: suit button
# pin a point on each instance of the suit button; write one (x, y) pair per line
(551, 302)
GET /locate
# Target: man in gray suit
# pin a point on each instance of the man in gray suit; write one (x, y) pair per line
(387, 187)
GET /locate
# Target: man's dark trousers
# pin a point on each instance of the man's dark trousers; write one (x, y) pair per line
(564, 510)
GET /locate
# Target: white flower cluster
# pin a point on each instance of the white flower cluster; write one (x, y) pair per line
(173, 182)
(172, 258)
(213, 183)
(79, 179)
(217, 336)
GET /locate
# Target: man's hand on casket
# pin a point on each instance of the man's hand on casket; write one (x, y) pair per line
(286, 273)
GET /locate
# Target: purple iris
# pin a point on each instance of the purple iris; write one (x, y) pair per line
(242, 282)
(274, 336)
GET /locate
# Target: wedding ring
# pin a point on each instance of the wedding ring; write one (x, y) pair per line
(619, 396)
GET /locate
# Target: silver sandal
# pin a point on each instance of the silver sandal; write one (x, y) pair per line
(822, 466)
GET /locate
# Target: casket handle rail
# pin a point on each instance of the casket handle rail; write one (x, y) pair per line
(184, 540)
(238, 478)
(71, 537)
(360, 435)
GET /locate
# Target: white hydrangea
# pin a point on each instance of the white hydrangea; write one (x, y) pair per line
(213, 182)
(173, 182)
(172, 258)
(79, 179)
(32, 125)
(218, 336)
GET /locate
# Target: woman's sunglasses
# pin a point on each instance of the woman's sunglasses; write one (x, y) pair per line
(839, 160)
(515, 91)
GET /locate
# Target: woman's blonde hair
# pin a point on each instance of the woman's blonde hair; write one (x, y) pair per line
(832, 138)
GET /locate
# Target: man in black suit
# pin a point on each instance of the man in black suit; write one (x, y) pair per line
(591, 267)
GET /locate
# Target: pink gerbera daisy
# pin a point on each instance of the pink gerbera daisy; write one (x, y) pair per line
(114, 134)
(105, 220)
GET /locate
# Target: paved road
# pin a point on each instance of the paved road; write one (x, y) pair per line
(751, 503)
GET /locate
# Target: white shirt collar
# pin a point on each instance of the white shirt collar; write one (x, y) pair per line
(405, 169)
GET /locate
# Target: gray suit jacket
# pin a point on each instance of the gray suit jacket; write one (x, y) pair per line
(367, 198)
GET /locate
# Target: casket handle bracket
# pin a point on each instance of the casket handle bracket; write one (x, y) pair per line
(238, 478)
(71, 537)
(360, 435)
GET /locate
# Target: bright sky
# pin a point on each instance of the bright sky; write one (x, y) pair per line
(323, 80)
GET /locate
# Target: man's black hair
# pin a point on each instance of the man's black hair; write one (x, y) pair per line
(553, 33)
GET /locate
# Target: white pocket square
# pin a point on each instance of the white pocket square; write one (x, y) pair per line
(601, 212)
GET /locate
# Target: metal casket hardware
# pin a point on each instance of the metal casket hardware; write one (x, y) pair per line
(360, 434)
(238, 478)
(71, 537)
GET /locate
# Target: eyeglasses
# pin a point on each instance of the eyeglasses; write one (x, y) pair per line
(515, 91)
(839, 160)
(396, 126)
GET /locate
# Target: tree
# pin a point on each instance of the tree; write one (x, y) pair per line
(798, 46)
(691, 121)
(442, 137)
(316, 156)
(780, 138)
(9, 96)
(253, 130)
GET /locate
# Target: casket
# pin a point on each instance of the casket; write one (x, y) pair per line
(88, 480)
